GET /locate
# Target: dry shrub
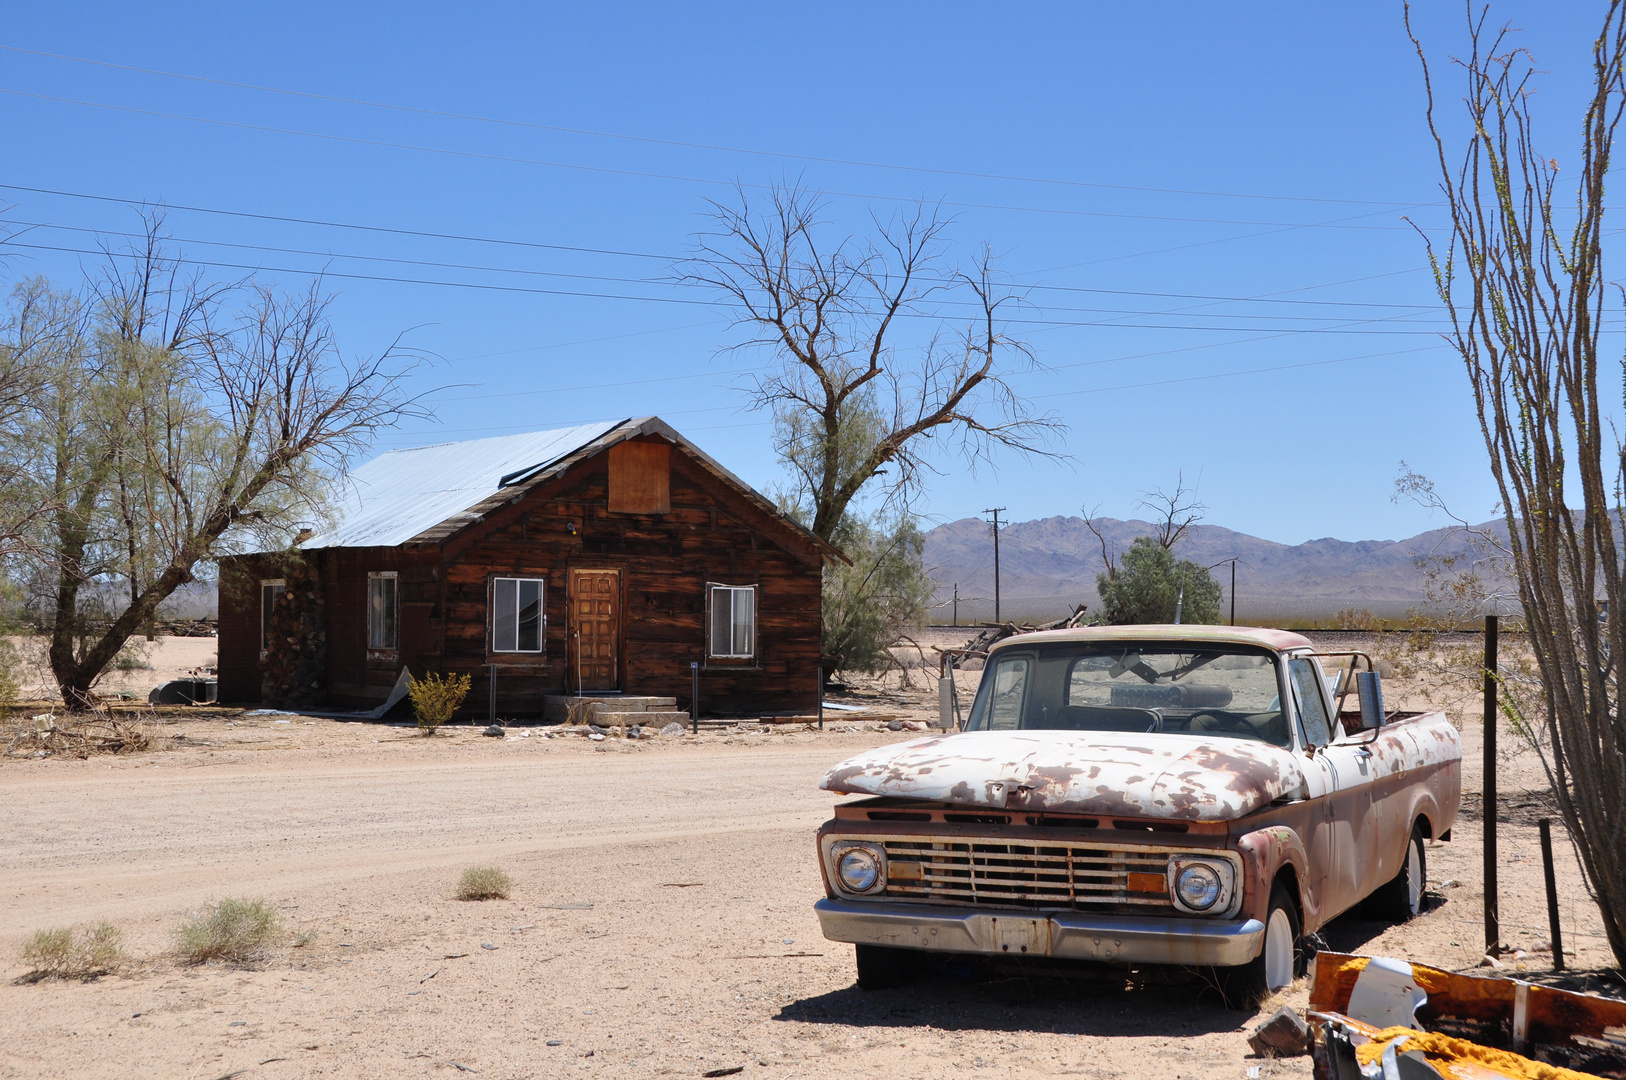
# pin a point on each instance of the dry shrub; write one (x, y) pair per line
(484, 883)
(80, 735)
(70, 953)
(435, 698)
(235, 930)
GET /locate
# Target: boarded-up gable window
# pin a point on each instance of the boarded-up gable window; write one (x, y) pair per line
(517, 618)
(640, 478)
(732, 631)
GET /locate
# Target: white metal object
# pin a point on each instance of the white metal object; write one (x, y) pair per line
(1386, 994)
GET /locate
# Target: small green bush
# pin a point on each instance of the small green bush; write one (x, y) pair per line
(484, 883)
(436, 697)
(11, 687)
(66, 953)
(236, 930)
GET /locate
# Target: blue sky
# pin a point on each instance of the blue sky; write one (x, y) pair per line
(1207, 205)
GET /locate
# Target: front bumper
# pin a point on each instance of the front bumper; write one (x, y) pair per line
(1115, 938)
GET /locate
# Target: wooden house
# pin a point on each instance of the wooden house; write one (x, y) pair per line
(606, 559)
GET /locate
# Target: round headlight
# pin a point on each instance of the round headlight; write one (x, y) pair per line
(859, 869)
(1198, 886)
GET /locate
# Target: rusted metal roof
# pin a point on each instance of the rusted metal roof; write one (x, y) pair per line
(1176, 776)
(1277, 640)
(399, 494)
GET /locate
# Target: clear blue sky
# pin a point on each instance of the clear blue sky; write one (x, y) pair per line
(1218, 160)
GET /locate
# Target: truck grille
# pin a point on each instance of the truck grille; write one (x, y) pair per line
(992, 874)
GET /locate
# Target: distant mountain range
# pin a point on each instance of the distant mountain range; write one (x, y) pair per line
(1048, 566)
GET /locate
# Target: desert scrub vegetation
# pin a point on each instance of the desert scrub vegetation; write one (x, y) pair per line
(73, 952)
(236, 930)
(484, 883)
(77, 734)
(436, 697)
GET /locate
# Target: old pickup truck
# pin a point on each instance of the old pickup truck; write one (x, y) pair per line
(1190, 795)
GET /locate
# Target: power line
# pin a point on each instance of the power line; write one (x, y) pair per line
(1235, 374)
(535, 291)
(602, 251)
(342, 224)
(420, 233)
(698, 145)
(655, 281)
(508, 159)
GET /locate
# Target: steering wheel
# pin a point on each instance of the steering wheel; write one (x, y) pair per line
(1221, 722)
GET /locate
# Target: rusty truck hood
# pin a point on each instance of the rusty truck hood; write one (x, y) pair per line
(1185, 777)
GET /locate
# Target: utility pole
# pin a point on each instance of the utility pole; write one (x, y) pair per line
(956, 603)
(995, 511)
(1222, 562)
(1493, 908)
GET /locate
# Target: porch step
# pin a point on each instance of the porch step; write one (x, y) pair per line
(580, 709)
(655, 718)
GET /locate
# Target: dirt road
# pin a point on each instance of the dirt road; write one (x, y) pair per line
(662, 923)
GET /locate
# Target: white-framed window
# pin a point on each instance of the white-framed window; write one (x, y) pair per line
(731, 621)
(518, 616)
(269, 591)
(383, 619)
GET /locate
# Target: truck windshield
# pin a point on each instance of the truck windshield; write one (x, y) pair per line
(1226, 692)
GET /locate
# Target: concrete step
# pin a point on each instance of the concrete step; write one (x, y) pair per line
(580, 709)
(654, 718)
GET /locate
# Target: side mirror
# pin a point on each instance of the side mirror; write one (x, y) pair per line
(1369, 688)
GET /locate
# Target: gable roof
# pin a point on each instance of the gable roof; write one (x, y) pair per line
(428, 494)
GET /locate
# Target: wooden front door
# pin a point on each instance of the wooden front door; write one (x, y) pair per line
(595, 608)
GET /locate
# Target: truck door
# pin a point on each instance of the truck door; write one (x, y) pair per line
(1354, 828)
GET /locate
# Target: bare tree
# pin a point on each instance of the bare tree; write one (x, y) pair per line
(1522, 280)
(192, 416)
(1174, 513)
(847, 406)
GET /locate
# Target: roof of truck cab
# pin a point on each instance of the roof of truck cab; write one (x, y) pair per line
(1277, 640)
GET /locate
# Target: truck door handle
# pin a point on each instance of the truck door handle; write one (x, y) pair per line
(1363, 753)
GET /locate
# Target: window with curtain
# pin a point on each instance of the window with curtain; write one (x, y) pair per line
(733, 617)
(382, 620)
(517, 618)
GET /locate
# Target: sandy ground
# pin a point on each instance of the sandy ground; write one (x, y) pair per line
(661, 925)
(165, 659)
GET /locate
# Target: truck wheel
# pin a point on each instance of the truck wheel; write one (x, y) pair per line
(881, 967)
(1273, 969)
(1402, 897)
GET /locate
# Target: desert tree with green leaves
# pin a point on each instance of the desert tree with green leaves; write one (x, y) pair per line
(1521, 276)
(167, 419)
